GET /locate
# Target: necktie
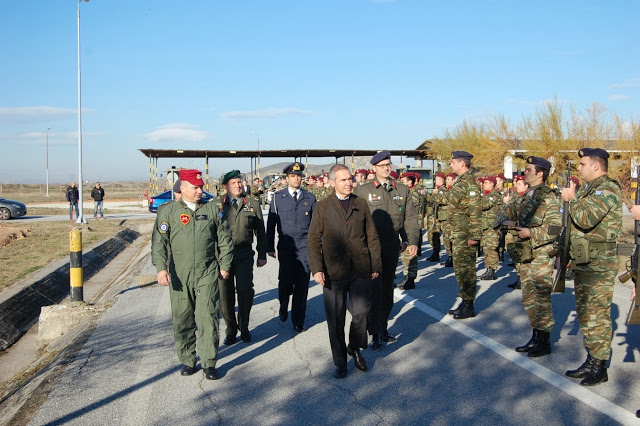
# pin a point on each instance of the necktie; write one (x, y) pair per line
(295, 196)
(386, 188)
(235, 204)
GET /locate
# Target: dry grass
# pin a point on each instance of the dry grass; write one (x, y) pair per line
(48, 241)
(88, 213)
(37, 193)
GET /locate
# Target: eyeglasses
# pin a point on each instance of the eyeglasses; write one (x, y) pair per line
(387, 165)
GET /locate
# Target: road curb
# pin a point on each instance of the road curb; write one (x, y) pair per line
(21, 310)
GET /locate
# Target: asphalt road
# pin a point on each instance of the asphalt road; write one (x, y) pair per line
(440, 371)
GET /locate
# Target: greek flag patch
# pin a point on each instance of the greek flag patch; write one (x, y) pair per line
(598, 192)
(472, 193)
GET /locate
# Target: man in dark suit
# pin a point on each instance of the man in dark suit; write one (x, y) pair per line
(344, 256)
(291, 210)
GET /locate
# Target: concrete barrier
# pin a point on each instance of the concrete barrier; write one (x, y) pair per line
(21, 310)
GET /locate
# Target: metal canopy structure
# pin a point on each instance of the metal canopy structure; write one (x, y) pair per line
(255, 155)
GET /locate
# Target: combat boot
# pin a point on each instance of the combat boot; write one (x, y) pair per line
(466, 310)
(597, 375)
(542, 346)
(531, 343)
(583, 370)
(435, 257)
(515, 285)
(407, 284)
(489, 274)
(501, 255)
(449, 262)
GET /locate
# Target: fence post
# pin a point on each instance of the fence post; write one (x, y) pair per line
(75, 272)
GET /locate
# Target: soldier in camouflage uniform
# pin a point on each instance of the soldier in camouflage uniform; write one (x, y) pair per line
(361, 176)
(596, 222)
(409, 262)
(514, 201)
(465, 215)
(539, 209)
(491, 204)
(431, 222)
(445, 223)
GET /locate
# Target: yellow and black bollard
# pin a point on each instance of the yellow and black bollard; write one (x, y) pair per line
(75, 271)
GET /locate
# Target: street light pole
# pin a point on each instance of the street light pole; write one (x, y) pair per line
(48, 161)
(80, 218)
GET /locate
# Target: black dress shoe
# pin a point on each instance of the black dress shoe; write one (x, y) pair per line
(387, 337)
(358, 359)
(299, 328)
(245, 335)
(230, 340)
(376, 342)
(210, 373)
(340, 373)
(284, 315)
(187, 370)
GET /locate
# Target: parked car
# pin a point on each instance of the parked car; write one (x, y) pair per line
(10, 209)
(165, 196)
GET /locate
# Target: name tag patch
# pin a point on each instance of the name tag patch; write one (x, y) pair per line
(201, 217)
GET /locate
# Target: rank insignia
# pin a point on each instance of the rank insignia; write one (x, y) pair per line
(185, 218)
(163, 228)
(374, 197)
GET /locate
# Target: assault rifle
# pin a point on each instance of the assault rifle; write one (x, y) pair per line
(561, 246)
(632, 264)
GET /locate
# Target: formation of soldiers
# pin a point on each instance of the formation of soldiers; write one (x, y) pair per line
(468, 216)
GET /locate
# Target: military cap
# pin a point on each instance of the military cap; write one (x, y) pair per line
(593, 152)
(176, 187)
(481, 179)
(394, 174)
(233, 174)
(441, 175)
(518, 177)
(500, 176)
(452, 175)
(461, 155)
(362, 172)
(312, 177)
(294, 169)
(194, 177)
(539, 162)
(491, 179)
(384, 155)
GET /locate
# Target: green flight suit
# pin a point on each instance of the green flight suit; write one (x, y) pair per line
(245, 221)
(201, 245)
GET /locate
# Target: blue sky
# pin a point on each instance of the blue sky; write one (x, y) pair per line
(300, 73)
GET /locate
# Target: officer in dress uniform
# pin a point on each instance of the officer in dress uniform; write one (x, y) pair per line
(395, 217)
(596, 222)
(192, 230)
(465, 215)
(244, 215)
(290, 211)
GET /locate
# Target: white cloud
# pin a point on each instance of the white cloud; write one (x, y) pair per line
(40, 138)
(265, 113)
(634, 82)
(35, 114)
(619, 97)
(182, 132)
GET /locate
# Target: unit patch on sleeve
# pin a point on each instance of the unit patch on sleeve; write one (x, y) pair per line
(163, 228)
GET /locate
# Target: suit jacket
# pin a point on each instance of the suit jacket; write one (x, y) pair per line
(342, 243)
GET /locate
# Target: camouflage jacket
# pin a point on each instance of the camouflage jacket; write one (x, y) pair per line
(419, 203)
(491, 205)
(596, 212)
(464, 209)
(536, 209)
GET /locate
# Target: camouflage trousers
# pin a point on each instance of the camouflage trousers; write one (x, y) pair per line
(445, 230)
(464, 266)
(410, 263)
(536, 278)
(594, 294)
(490, 240)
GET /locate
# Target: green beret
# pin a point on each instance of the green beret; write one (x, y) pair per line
(231, 175)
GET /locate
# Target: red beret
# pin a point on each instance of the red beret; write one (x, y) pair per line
(491, 179)
(518, 177)
(481, 179)
(501, 176)
(393, 174)
(452, 175)
(441, 175)
(194, 177)
(312, 177)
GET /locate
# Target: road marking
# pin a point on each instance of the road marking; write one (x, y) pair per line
(580, 393)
